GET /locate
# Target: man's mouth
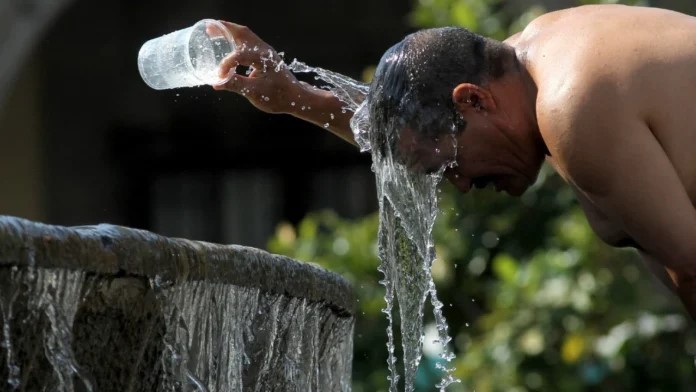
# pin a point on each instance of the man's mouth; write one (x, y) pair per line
(483, 181)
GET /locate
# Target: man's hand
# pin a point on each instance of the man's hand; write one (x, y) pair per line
(269, 85)
(272, 88)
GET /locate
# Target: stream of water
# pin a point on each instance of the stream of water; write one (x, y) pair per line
(408, 208)
(71, 331)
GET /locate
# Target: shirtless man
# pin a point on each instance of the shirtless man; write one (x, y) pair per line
(603, 93)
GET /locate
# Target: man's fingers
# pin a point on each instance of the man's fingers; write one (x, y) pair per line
(228, 64)
(214, 31)
(243, 58)
(239, 84)
(242, 34)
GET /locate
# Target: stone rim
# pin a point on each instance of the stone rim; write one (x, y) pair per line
(116, 250)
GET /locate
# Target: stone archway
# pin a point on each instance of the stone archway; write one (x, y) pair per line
(22, 23)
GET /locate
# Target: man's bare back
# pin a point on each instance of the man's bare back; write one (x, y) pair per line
(647, 53)
(616, 86)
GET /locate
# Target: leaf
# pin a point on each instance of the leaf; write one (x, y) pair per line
(505, 268)
(573, 348)
(464, 16)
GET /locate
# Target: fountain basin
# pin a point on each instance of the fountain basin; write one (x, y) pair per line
(108, 308)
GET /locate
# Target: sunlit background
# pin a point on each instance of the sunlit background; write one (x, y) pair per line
(534, 301)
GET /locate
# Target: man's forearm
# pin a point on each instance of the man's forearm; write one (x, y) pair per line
(322, 108)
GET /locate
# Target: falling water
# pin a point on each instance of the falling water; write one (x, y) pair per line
(207, 349)
(107, 309)
(347, 90)
(408, 208)
(45, 299)
(58, 326)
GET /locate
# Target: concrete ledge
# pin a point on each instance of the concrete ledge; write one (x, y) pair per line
(115, 250)
(111, 309)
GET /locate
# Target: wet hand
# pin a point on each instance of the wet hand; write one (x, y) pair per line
(268, 84)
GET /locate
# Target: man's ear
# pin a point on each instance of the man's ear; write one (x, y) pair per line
(468, 97)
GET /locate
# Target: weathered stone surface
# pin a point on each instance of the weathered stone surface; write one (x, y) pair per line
(110, 250)
(108, 308)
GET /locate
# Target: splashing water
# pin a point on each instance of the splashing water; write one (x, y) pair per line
(106, 308)
(347, 90)
(45, 297)
(408, 208)
(213, 353)
(201, 336)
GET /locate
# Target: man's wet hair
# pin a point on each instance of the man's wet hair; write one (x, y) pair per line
(413, 84)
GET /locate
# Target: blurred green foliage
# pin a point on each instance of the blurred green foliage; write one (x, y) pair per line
(534, 301)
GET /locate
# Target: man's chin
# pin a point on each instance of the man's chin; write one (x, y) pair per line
(515, 192)
(516, 187)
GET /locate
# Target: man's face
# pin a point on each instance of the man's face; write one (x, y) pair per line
(477, 157)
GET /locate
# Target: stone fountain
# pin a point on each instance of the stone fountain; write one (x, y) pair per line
(108, 308)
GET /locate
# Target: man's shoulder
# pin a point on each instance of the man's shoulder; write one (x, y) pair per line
(581, 121)
(584, 44)
(575, 100)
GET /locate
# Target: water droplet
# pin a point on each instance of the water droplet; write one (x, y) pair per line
(292, 103)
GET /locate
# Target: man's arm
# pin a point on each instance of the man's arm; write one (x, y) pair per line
(659, 271)
(614, 158)
(272, 88)
(611, 234)
(607, 231)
